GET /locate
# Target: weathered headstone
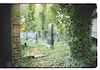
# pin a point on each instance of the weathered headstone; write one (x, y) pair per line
(38, 34)
(55, 35)
(50, 40)
(30, 35)
(26, 35)
(23, 35)
(35, 37)
(45, 34)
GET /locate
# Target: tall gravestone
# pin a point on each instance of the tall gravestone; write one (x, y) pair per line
(36, 37)
(46, 34)
(50, 40)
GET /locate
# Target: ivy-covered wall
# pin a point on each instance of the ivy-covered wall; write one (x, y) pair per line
(80, 31)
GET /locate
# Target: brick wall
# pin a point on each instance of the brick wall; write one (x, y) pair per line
(15, 34)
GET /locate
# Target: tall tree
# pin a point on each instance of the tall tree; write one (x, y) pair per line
(42, 16)
(30, 17)
(23, 14)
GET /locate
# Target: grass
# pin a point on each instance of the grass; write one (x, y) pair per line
(55, 57)
(54, 54)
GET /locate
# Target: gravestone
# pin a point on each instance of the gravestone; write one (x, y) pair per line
(36, 37)
(64, 33)
(45, 34)
(55, 35)
(26, 35)
(30, 35)
(38, 34)
(50, 40)
(22, 35)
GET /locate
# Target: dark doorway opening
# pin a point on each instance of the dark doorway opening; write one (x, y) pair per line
(5, 35)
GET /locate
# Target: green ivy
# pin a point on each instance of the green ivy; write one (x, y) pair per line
(79, 30)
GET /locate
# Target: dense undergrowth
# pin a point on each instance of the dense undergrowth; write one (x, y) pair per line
(59, 56)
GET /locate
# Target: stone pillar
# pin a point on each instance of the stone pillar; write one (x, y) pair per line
(50, 40)
(15, 34)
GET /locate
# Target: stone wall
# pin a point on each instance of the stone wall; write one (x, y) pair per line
(15, 34)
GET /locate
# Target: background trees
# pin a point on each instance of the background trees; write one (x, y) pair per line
(36, 17)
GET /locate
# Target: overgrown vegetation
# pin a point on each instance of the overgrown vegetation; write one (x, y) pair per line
(79, 31)
(74, 21)
(51, 55)
(59, 56)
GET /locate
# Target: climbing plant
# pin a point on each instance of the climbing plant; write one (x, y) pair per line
(79, 30)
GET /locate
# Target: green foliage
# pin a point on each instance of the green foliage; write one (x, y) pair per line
(52, 55)
(42, 16)
(79, 31)
(70, 62)
(77, 21)
(57, 57)
(27, 13)
(38, 16)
